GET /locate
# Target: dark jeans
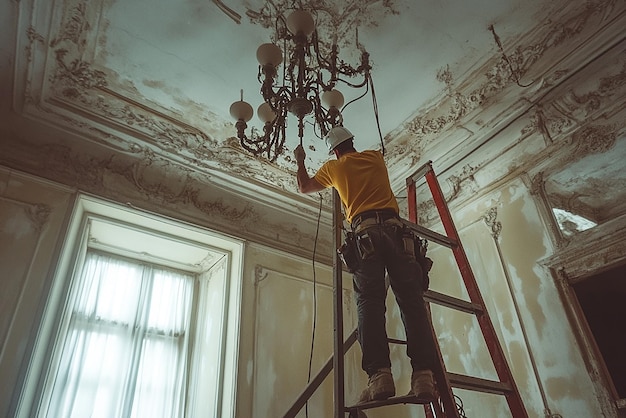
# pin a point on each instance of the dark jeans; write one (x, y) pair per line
(383, 249)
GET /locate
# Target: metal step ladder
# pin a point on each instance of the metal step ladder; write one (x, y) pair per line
(445, 405)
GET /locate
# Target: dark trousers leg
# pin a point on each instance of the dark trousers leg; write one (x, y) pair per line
(408, 286)
(370, 292)
(408, 290)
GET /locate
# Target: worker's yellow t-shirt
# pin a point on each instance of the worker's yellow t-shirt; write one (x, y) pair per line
(362, 181)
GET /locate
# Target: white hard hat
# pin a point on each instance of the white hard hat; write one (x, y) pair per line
(336, 136)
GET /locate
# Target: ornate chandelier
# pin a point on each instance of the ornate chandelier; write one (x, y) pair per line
(305, 87)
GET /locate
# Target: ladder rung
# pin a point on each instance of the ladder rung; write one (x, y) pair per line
(431, 235)
(452, 302)
(456, 380)
(391, 401)
(477, 384)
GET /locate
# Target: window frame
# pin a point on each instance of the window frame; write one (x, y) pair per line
(593, 251)
(71, 258)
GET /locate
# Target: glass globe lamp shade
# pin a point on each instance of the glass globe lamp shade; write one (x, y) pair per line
(332, 98)
(241, 110)
(265, 113)
(300, 21)
(269, 54)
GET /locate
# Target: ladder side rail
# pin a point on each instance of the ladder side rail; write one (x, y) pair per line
(443, 385)
(491, 339)
(338, 360)
(412, 200)
(318, 379)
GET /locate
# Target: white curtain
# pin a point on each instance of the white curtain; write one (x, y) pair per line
(125, 350)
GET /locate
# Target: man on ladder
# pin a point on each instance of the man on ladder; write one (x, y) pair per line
(378, 243)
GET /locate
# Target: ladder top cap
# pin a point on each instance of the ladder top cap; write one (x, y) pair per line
(420, 172)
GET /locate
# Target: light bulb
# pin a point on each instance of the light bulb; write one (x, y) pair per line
(332, 98)
(300, 21)
(241, 110)
(269, 54)
(265, 113)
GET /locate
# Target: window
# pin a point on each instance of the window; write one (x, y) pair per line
(125, 349)
(571, 224)
(141, 320)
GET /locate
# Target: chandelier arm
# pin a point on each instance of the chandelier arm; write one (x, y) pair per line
(251, 144)
(271, 143)
(276, 141)
(303, 69)
(322, 117)
(329, 64)
(349, 70)
(283, 135)
(267, 85)
(325, 86)
(325, 120)
(257, 140)
(280, 98)
(344, 68)
(274, 137)
(285, 54)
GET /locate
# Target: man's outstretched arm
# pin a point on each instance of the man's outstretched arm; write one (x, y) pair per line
(306, 184)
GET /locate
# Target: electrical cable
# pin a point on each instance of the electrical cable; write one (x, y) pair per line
(514, 73)
(459, 406)
(375, 104)
(317, 230)
(370, 85)
(356, 98)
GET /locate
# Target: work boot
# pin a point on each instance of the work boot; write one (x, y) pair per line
(423, 384)
(379, 386)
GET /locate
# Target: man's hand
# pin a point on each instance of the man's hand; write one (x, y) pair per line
(299, 154)
(306, 184)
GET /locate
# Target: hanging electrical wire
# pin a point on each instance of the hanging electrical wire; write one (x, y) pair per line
(514, 72)
(375, 104)
(459, 406)
(317, 230)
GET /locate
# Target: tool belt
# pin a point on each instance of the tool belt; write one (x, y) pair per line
(374, 217)
(358, 246)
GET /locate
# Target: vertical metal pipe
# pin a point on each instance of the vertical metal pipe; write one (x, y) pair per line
(338, 310)
(411, 199)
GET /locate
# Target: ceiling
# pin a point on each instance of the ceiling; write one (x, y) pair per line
(190, 59)
(154, 79)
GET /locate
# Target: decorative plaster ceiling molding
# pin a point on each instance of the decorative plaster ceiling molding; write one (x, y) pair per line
(162, 186)
(69, 92)
(582, 116)
(601, 198)
(66, 88)
(550, 52)
(72, 94)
